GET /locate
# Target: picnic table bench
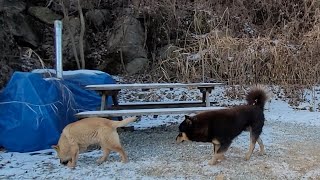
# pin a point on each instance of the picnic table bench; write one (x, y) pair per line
(149, 108)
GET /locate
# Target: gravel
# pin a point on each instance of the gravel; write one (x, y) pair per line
(291, 140)
(291, 153)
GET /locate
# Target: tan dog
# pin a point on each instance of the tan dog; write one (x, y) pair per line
(77, 136)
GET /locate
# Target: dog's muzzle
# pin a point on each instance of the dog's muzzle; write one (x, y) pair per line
(181, 137)
(64, 162)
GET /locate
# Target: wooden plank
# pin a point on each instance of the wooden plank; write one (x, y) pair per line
(101, 87)
(141, 112)
(159, 102)
(151, 105)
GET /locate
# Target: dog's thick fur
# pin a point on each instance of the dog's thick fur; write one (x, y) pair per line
(78, 136)
(220, 127)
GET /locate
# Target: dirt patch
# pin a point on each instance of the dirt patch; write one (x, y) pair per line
(291, 149)
(291, 153)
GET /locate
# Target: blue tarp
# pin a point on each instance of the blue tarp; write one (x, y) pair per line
(33, 110)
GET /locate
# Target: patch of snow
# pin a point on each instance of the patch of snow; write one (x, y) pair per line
(45, 164)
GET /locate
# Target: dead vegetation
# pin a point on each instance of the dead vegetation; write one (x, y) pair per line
(234, 41)
(240, 42)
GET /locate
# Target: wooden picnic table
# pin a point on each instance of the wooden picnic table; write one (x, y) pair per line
(112, 90)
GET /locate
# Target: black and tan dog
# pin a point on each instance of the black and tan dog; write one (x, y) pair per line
(220, 127)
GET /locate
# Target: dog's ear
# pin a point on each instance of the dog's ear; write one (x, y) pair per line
(189, 122)
(55, 147)
(189, 119)
(192, 118)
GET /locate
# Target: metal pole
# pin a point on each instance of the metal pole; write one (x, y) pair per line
(58, 48)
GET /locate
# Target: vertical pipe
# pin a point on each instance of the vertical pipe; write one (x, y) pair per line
(58, 48)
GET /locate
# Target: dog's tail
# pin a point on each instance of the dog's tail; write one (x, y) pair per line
(124, 122)
(257, 96)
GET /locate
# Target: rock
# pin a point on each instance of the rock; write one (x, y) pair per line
(5, 74)
(98, 18)
(7, 47)
(136, 65)
(128, 37)
(72, 5)
(20, 28)
(69, 61)
(127, 42)
(17, 22)
(44, 14)
(12, 6)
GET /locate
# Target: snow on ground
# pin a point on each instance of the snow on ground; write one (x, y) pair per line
(291, 138)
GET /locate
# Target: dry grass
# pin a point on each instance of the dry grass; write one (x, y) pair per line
(240, 42)
(236, 41)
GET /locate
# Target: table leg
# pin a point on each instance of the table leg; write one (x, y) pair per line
(116, 103)
(207, 98)
(103, 101)
(205, 95)
(115, 100)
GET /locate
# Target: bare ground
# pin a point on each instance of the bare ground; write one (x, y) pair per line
(292, 152)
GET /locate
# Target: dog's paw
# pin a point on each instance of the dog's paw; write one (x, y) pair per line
(138, 118)
(213, 162)
(247, 157)
(100, 161)
(262, 153)
(222, 157)
(124, 160)
(71, 165)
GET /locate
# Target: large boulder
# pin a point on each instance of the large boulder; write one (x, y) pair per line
(44, 14)
(136, 65)
(12, 6)
(5, 73)
(15, 31)
(17, 22)
(126, 42)
(20, 28)
(98, 18)
(72, 5)
(69, 61)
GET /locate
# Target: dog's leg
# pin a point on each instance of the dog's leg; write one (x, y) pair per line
(216, 146)
(74, 156)
(121, 152)
(262, 152)
(251, 148)
(253, 139)
(115, 145)
(255, 132)
(215, 151)
(106, 152)
(219, 150)
(214, 161)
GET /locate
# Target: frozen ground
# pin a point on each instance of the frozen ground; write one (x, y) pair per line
(291, 138)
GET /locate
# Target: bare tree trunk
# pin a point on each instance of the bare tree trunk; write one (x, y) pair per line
(83, 28)
(66, 16)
